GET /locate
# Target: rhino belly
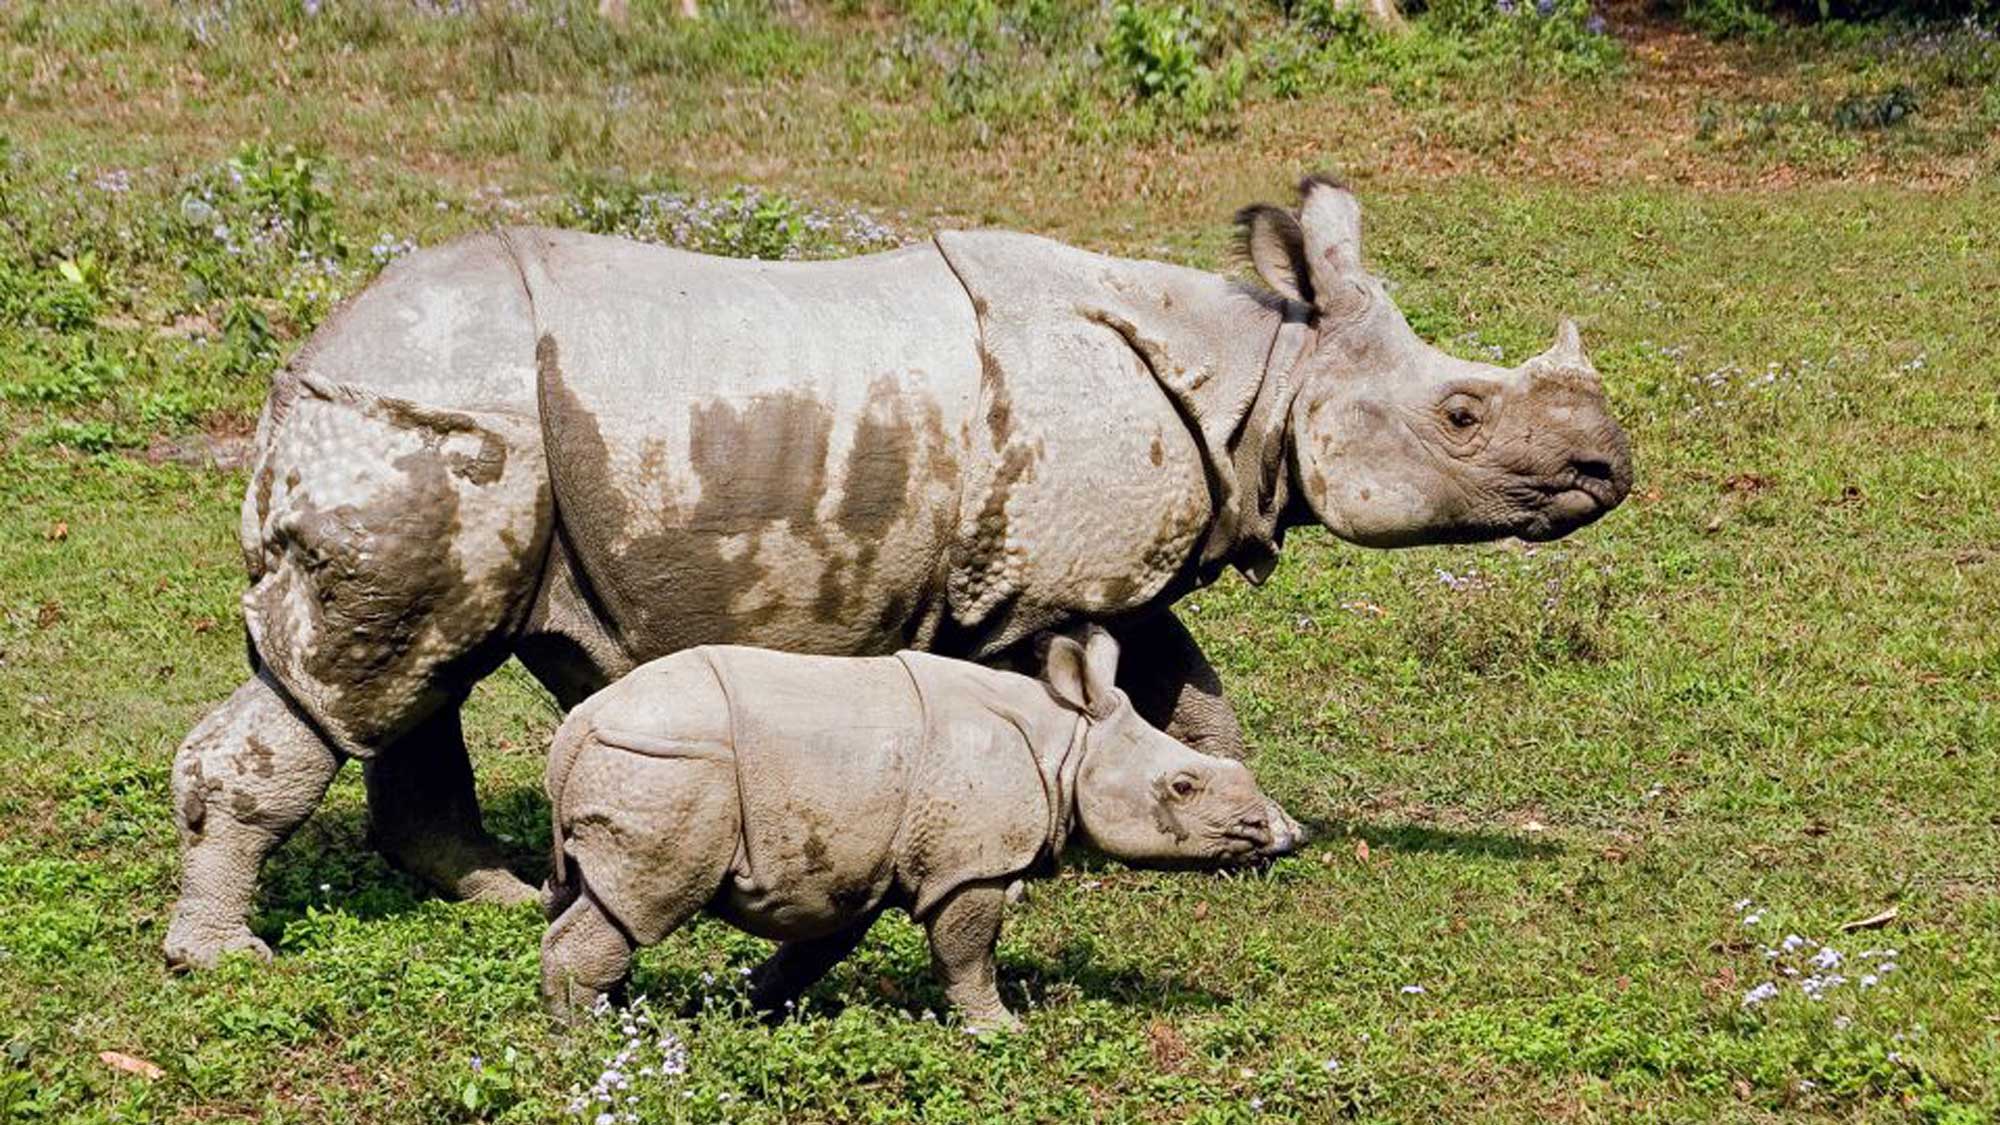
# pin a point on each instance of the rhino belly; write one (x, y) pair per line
(754, 452)
(824, 753)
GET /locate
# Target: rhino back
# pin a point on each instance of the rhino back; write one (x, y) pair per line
(754, 452)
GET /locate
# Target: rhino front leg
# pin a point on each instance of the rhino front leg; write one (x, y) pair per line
(963, 931)
(248, 774)
(798, 965)
(1174, 687)
(586, 959)
(424, 815)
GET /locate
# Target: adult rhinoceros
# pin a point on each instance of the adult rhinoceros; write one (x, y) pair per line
(589, 453)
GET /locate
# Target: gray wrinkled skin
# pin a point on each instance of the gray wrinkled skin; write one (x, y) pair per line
(591, 453)
(800, 796)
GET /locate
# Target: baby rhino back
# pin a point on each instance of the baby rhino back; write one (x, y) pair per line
(824, 751)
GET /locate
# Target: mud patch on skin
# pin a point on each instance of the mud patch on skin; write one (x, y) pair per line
(877, 485)
(484, 466)
(762, 463)
(261, 757)
(757, 464)
(999, 401)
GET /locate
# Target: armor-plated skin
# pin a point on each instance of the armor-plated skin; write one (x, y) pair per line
(800, 796)
(592, 453)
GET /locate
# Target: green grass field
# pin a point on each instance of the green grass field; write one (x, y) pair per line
(1566, 798)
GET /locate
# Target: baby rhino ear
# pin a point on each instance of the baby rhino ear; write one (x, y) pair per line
(1084, 675)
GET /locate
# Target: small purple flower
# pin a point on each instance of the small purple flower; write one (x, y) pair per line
(1545, 8)
(1594, 25)
(1504, 7)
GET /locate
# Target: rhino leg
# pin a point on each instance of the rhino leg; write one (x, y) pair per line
(424, 816)
(586, 959)
(1174, 687)
(963, 931)
(247, 775)
(798, 965)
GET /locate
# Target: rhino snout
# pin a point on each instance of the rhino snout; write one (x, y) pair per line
(1266, 832)
(1285, 834)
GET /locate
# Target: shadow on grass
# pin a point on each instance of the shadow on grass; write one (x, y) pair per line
(330, 864)
(1418, 838)
(905, 982)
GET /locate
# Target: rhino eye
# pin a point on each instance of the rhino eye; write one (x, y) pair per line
(1183, 787)
(1462, 412)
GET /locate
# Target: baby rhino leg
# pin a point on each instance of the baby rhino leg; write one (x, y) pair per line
(963, 932)
(586, 957)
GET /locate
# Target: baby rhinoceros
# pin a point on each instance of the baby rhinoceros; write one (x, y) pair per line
(799, 796)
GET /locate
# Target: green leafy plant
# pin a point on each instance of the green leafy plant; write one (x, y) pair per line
(283, 185)
(490, 1087)
(1162, 54)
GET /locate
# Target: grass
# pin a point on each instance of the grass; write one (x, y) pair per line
(1543, 779)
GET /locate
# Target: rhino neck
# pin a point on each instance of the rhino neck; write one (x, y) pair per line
(1055, 736)
(1255, 508)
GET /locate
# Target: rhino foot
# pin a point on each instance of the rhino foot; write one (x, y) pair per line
(496, 887)
(996, 1020)
(193, 944)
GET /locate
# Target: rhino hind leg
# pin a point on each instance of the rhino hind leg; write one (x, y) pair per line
(247, 775)
(796, 966)
(393, 551)
(424, 816)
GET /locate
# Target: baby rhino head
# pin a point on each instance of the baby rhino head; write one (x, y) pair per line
(1144, 797)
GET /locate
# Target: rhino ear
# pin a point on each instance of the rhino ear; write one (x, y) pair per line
(1100, 671)
(1270, 237)
(1066, 674)
(1330, 222)
(1084, 674)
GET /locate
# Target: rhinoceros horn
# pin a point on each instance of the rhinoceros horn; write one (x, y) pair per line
(1567, 354)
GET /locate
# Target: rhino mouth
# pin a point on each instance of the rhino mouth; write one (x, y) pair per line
(1576, 498)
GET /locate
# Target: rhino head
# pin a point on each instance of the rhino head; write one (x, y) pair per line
(1144, 797)
(1393, 443)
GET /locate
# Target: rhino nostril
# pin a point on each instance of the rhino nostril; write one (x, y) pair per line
(1596, 468)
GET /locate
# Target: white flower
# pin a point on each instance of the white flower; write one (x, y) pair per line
(1827, 958)
(1760, 994)
(1753, 918)
(1413, 990)
(1330, 1065)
